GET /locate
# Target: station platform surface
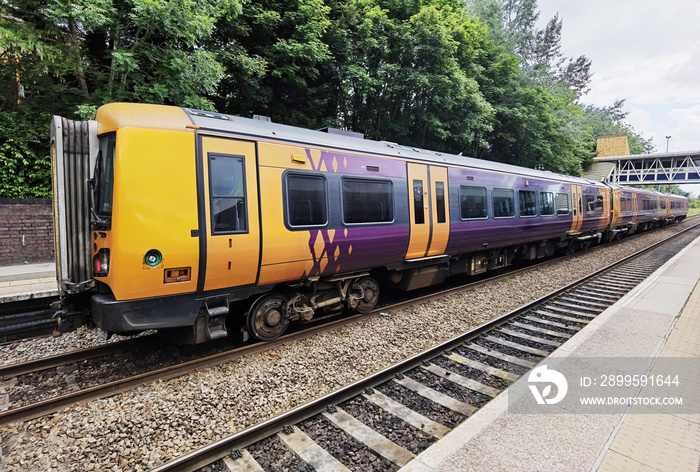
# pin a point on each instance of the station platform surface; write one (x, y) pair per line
(660, 318)
(27, 281)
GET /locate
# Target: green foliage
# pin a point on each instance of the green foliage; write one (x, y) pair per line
(609, 121)
(25, 166)
(476, 77)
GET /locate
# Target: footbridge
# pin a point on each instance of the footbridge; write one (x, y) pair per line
(657, 168)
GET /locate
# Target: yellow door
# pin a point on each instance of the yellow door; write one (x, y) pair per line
(230, 208)
(577, 208)
(429, 210)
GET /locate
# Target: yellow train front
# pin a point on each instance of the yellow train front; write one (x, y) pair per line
(175, 228)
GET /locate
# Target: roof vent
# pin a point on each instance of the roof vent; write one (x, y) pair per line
(342, 132)
(262, 118)
(209, 114)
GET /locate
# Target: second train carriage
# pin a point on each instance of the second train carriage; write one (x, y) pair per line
(192, 212)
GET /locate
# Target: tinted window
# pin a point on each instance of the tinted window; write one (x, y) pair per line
(562, 204)
(627, 204)
(418, 202)
(440, 201)
(589, 203)
(306, 200)
(503, 203)
(367, 201)
(227, 188)
(472, 203)
(528, 203)
(104, 175)
(547, 203)
(599, 204)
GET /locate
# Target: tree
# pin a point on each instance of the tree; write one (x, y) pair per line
(68, 56)
(609, 121)
(272, 56)
(513, 25)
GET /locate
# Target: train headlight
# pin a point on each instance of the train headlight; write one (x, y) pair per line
(153, 258)
(100, 263)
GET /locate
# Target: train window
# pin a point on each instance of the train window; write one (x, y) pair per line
(418, 202)
(663, 203)
(306, 200)
(503, 203)
(104, 175)
(590, 203)
(599, 204)
(227, 188)
(528, 203)
(546, 203)
(562, 204)
(367, 201)
(472, 203)
(628, 204)
(440, 201)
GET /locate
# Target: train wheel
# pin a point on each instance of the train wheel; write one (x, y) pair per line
(368, 289)
(266, 320)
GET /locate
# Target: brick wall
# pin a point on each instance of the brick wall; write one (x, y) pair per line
(26, 231)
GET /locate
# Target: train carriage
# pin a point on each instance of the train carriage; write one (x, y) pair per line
(190, 215)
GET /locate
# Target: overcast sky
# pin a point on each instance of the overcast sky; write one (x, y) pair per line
(647, 52)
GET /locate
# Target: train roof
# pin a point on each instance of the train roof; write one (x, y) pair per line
(341, 140)
(121, 115)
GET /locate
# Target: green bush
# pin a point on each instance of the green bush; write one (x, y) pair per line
(25, 163)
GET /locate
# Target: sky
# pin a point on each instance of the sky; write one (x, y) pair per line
(647, 52)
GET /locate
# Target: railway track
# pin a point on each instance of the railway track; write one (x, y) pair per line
(33, 317)
(46, 385)
(384, 420)
(65, 366)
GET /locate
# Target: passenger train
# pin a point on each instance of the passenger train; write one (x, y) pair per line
(189, 217)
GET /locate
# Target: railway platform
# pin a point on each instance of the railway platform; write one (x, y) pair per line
(27, 281)
(658, 319)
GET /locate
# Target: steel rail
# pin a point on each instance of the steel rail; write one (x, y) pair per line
(54, 404)
(215, 451)
(71, 357)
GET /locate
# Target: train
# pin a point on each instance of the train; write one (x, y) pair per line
(177, 220)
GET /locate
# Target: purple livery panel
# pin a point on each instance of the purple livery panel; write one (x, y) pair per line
(471, 235)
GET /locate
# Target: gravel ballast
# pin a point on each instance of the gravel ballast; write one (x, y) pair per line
(148, 426)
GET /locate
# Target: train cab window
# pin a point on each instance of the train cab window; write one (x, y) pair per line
(418, 202)
(367, 201)
(104, 175)
(227, 188)
(503, 203)
(306, 200)
(599, 204)
(528, 203)
(472, 203)
(546, 203)
(562, 204)
(440, 201)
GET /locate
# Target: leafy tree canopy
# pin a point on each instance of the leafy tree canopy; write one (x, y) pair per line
(476, 77)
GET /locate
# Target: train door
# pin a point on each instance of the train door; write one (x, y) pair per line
(229, 231)
(428, 207)
(577, 208)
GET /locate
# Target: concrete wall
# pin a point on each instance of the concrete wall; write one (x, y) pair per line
(26, 231)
